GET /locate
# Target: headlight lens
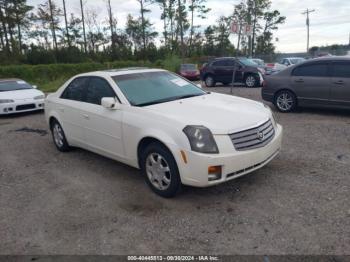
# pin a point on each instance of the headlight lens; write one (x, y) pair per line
(201, 139)
(39, 97)
(4, 101)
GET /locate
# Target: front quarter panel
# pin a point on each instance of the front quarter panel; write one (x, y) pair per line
(140, 123)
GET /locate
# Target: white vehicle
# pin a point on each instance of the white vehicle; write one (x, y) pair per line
(18, 96)
(171, 129)
(292, 61)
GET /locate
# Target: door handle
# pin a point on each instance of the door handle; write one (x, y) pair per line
(299, 81)
(340, 82)
(86, 116)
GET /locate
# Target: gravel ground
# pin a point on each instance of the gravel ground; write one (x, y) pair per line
(82, 203)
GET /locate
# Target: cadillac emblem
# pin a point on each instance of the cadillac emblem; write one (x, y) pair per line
(260, 135)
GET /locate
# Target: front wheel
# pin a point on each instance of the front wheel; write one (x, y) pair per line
(160, 170)
(251, 81)
(285, 101)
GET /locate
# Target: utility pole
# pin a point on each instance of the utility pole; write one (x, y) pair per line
(307, 12)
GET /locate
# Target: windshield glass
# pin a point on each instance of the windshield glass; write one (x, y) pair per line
(142, 89)
(258, 62)
(188, 67)
(247, 62)
(14, 85)
(297, 60)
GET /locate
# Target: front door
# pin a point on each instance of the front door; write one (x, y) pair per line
(340, 90)
(103, 127)
(311, 83)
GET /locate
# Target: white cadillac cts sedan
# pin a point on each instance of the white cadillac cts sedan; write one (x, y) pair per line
(18, 96)
(171, 129)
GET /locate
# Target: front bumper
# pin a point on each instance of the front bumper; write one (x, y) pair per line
(234, 164)
(20, 106)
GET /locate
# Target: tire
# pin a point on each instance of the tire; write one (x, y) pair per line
(58, 136)
(160, 170)
(251, 81)
(209, 81)
(285, 101)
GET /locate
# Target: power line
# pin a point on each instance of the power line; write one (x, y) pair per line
(307, 12)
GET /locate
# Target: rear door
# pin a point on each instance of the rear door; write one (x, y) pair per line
(70, 111)
(340, 90)
(219, 69)
(311, 83)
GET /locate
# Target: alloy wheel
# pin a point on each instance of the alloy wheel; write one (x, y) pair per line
(250, 81)
(285, 101)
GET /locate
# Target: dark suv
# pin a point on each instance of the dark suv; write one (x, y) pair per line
(221, 70)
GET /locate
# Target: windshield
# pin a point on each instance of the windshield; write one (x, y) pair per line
(295, 61)
(188, 67)
(247, 62)
(14, 85)
(258, 62)
(142, 89)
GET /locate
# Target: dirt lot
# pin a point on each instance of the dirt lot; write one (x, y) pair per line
(82, 203)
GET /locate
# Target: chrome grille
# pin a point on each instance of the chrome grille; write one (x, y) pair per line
(253, 138)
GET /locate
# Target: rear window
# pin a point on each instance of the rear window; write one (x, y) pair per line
(14, 85)
(341, 69)
(311, 70)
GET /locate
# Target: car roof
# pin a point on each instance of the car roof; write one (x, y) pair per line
(121, 71)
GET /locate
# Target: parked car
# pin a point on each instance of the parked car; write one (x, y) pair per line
(320, 82)
(221, 70)
(260, 64)
(189, 71)
(292, 61)
(17, 96)
(171, 129)
(273, 68)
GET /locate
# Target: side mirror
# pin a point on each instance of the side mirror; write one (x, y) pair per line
(110, 103)
(35, 87)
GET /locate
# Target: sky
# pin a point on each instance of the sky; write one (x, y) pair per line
(329, 24)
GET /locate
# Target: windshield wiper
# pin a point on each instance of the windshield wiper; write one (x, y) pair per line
(168, 100)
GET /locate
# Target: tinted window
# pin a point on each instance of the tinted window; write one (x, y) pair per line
(312, 70)
(219, 63)
(76, 89)
(97, 89)
(341, 69)
(230, 63)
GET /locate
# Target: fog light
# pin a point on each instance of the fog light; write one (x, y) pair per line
(214, 173)
(5, 110)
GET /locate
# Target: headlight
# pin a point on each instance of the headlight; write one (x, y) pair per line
(4, 101)
(39, 97)
(201, 139)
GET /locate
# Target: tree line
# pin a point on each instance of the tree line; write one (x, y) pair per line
(50, 33)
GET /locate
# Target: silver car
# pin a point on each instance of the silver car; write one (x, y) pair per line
(322, 82)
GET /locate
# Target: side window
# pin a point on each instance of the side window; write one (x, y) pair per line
(311, 70)
(341, 69)
(219, 63)
(230, 63)
(76, 89)
(97, 89)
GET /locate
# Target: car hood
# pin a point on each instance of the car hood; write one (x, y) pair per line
(20, 94)
(222, 114)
